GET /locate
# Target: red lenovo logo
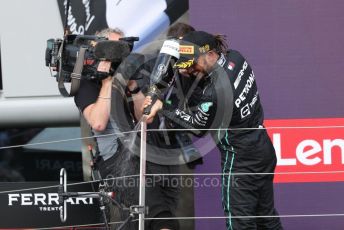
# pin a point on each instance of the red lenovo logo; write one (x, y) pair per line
(307, 146)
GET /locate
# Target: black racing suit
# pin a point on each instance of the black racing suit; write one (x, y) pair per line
(242, 150)
(162, 192)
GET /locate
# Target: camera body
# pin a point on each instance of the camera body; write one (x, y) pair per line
(61, 55)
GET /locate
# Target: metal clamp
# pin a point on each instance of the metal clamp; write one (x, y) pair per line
(137, 209)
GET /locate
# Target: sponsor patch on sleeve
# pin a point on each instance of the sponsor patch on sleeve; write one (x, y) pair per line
(231, 65)
(205, 106)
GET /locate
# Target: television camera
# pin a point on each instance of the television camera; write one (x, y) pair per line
(78, 56)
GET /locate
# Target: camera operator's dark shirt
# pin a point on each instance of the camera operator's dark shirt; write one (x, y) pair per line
(87, 94)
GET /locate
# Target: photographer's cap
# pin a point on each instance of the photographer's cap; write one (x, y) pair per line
(192, 45)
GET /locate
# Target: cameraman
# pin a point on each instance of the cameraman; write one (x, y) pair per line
(94, 101)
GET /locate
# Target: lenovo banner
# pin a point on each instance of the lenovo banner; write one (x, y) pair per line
(308, 150)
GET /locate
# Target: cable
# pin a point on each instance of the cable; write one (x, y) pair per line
(65, 140)
(248, 217)
(177, 174)
(171, 130)
(241, 174)
(71, 184)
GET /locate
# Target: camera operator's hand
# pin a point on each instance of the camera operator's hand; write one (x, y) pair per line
(104, 66)
(154, 110)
